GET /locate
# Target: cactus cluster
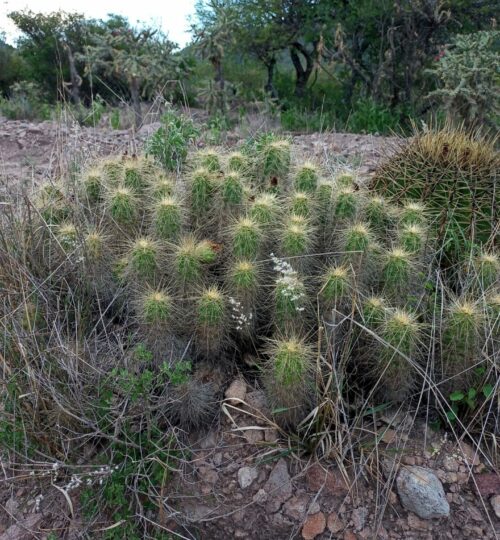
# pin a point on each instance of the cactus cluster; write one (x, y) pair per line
(255, 252)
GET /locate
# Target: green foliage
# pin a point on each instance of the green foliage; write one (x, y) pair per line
(169, 144)
(468, 78)
(370, 117)
(25, 102)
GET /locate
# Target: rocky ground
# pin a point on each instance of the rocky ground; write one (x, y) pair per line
(244, 480)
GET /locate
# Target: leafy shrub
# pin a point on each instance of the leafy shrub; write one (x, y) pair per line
(367, 116)
(169, 144)
(26, 102)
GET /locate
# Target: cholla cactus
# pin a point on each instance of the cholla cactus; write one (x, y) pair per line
(468, 78)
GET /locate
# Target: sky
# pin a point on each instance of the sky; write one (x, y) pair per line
(170, 15)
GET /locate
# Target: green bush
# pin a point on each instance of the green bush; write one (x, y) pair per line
(25, 102)
(169, 144)
(367, 116)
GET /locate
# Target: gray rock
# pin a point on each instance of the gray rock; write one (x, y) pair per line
(236, 392)
(278, 486)
(495, 503)
(421, 492)
(246, 476)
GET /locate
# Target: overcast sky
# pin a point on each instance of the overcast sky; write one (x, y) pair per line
(170, 15)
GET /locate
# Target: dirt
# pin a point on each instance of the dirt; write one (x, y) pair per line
(243, 480)
(33, 151)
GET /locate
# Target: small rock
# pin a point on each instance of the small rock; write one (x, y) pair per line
(296, 507)
(450, 464)
(421, 492)
(278, 486)
(409, 460)
(334, 523)
(495, 503)
(389, 436)
(474, 513)
(257, 400)
(313, 526)
(271, 435)
(470, 454)
(253, 436)
(236, 392)
(246, 476)
(208, 474)
(359, 517)
(260, 497)
(314, 508)
(416, 523)
(488, 484)
(349, 535)
(332, 482)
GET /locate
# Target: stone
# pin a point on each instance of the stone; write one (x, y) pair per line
(236, 392)
(389, 436)
(495, 503)
(271, 435)
(296, 507)
(25, 529)
(278, 486)
(450, 464)
(253, 436)
(314, 525)
(246, 476)
(314, 507)
(334, 523)
(260, 497)
(421, 492)
(331, 482)
(349, 535)
(358, 517)
(488, 484)
(257, 400)
(470, 454)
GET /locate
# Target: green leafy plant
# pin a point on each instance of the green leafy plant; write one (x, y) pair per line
(169, 144)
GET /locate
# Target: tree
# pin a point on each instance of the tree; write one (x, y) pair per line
(213, 34)
(53, 40)
(11, 66)
(140, 57)
(259, 32)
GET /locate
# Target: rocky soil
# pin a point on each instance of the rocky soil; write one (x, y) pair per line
(243, 479)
